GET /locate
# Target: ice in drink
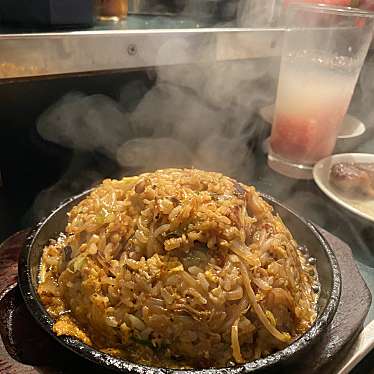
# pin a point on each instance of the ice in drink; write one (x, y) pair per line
(312, 100)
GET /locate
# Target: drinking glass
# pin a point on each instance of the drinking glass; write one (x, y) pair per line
(324, 49)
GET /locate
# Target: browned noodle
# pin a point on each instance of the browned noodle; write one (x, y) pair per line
(178, 268)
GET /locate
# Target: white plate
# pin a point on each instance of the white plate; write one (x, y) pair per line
(321, 171)
(351, 126)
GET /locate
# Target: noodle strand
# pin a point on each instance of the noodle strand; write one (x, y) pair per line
(284, 337)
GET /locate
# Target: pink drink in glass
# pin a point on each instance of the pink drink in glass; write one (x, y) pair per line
(313, 97)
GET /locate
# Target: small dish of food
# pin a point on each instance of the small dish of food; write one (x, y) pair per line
(179, 269)
(348, 179)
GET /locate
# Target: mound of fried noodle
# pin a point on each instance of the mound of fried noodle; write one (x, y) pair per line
(178, 268)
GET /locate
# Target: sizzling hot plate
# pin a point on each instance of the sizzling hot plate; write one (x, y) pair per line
(304, 232)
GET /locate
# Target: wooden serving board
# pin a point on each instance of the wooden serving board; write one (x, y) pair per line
(27, 343)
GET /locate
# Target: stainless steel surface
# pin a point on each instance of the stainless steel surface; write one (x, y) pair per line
(42, 54)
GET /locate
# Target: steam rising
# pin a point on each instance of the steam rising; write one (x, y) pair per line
(193, 116)
(203, 116)
(199, 115)
(259, 13)
(85, 123)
